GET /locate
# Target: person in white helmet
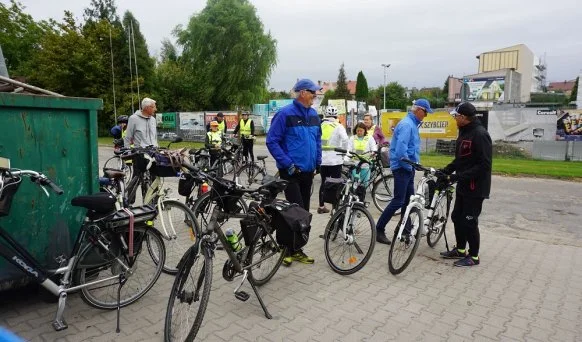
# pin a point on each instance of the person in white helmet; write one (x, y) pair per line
(333, 135)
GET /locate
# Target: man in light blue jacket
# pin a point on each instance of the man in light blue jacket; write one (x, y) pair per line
(405, 144)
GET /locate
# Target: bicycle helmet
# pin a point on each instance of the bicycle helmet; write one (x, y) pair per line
(122, 119)
(331, 111)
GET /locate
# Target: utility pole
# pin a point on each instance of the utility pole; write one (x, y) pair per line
(385, 66)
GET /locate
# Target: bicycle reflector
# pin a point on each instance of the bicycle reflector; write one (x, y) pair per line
(204, 188)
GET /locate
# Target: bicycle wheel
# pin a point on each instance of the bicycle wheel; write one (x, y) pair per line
(251, 174)
(189, 296)
(116, 162)
(228, 168)
(349, 255)
(271, 254)
(96, 264)
(382, 192)
(203, 207)
(402, 250)
(440, 216)
(176, 223)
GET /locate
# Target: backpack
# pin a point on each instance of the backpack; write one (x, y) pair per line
(291, 222)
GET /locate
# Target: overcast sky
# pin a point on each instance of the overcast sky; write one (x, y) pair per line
(423, 40)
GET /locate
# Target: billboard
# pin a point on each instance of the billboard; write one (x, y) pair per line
(166, 120)
(439, 125)
(485, 89)
(569, 125)
(192, 121)
(339, 104)
(231, 119)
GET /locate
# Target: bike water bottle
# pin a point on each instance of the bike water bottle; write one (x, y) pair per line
(232, 238)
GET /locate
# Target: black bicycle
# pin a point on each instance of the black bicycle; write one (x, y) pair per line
(257, 261)
(114, 262)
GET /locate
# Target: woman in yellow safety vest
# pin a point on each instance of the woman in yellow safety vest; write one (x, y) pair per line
(246, 131)
(360, 143)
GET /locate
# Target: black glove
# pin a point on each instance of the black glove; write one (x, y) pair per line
(453, 178)
(444, 171)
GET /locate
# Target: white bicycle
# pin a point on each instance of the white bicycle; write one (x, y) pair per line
(426, 214)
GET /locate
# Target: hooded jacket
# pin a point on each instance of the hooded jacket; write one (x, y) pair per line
(472, 161)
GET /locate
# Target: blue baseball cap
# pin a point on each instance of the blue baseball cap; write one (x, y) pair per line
(424, 104)
(306, 84)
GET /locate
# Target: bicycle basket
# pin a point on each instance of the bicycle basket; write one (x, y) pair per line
(11, 185)
(332, 190)
(226, 196)
(166, 164)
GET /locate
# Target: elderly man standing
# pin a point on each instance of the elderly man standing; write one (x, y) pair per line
(141, 126)
(405, 144)
(294, 140)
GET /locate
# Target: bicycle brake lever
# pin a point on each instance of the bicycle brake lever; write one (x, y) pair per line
(45, 191)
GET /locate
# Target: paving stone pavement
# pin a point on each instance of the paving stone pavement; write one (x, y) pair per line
(527, 288)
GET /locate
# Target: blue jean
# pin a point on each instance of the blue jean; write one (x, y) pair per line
(403, 189)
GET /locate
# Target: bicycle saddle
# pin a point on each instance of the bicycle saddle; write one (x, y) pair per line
(262, 157)
(99, 203)
(113, 173)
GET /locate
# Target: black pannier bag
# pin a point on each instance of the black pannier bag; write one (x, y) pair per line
(226, 196)
(429, 193)
(186, 184)
(332, 190)
(291, 222)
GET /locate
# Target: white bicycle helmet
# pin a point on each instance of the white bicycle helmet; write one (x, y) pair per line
(331, 111)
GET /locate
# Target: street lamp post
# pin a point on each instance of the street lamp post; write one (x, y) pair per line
(385, 66)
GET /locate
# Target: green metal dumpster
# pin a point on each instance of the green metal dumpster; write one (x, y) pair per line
(58, 137)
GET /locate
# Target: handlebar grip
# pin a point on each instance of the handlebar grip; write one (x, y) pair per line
(340, 150)
(53, 186)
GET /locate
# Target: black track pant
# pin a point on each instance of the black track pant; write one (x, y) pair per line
(465, 216)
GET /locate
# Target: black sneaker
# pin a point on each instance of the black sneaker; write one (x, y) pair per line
(381, 238)
(466, 262)
(453, 254)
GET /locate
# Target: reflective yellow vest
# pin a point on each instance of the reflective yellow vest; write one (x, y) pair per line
(215, 137)
(360, 145)
(371, 130)
(327, 129)
(221, 126)
(245, 128)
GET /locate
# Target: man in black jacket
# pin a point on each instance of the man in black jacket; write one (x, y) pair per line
(472, 167)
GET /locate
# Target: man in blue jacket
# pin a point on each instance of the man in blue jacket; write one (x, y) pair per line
(294, 140)
(405, 144)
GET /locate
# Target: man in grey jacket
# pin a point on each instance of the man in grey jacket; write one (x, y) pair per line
(141, 126)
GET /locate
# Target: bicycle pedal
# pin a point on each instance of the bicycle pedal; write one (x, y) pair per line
(242, 296)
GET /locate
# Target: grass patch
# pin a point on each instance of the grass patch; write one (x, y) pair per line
(518, 167)
(108, 141)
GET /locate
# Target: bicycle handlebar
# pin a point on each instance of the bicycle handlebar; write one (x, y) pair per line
(419, 167)
(38, 178)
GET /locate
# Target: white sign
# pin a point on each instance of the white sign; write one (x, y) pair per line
(192, 121)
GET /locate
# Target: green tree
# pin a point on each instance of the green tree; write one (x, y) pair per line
(101, 10)
(329, 95)
(574, 94)
(341, 90)
(396, 96)
(20, 36)
(361, 87)
(229, 54)
(446, 87)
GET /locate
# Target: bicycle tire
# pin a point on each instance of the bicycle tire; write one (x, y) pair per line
(180, 297)
(116, 162)
(202, 209)
(382, 192)
(178, 218)
(350, 251)
(440, 217)
(405, 243)
(251, 174)
(264, 246)
(94, 262)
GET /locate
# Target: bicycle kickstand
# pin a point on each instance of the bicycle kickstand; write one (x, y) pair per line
(122, 280)
(59, 322)
(243, 296)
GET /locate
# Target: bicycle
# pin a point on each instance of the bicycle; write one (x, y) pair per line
(381, 180)
(254, 172)
(120, 161)
(191, 289)
(106, 262)
(174, 219)
(427, 213)
(352, 250)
